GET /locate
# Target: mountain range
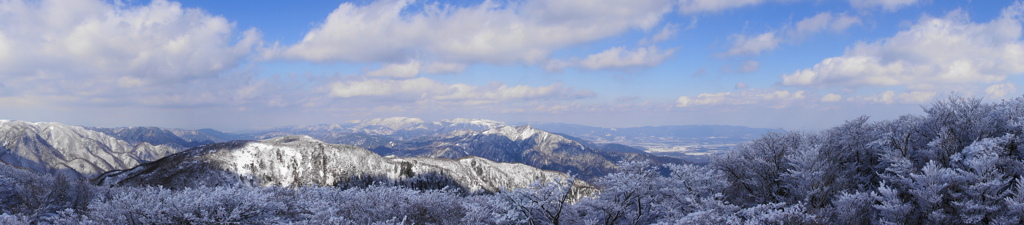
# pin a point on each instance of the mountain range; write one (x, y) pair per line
(688, 142)
(523, 144)
(129, 155)
(412, 137)
(304, 161)
(55, 147)
(416, 137)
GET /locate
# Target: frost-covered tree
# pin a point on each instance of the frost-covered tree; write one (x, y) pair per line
(541, 203)
(204, 205)
(1014, 211)
(957, 122)
(891, 208)
(688, 189)
(849, 150)
(755, 169)
(850, 208)
(778, 213)
(812, 176)
(628, 196)
(933, 191)
(987, 177)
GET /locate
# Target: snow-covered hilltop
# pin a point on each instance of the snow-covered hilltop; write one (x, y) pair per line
(51, 147)
(304, 161)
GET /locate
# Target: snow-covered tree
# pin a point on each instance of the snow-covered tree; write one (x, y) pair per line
(627, 196)
(850, 208)
(689, 189)
(892, 209)
(755, 169)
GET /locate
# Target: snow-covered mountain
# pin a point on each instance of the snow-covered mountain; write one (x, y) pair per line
(305, 161)
(691, 142)
(520, 144)
(456, 138)
(52, 147)
(208, 136)
(151, 135)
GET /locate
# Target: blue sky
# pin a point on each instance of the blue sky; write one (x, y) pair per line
(235, 65)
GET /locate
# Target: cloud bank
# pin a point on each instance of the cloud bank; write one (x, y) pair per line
(490, 32)
(85, 48)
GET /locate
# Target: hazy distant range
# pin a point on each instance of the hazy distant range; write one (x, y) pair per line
(676, 141)
(694, 142)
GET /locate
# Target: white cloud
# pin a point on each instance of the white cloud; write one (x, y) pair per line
(814, 24)
(444, 68)
(493, 32)
(825, 21)
(556, 65)
(696, 6)
(740, 85)
(425, 90)
(917, 97)
(406, 70)
(890, 97)
(619, 57)
(493, 94)
(885, 97)
(948, 51)
(753, 45)
(843, 22)
(1001, 90)
(415, 86)
(5, 48)
(775, 99)
(414, 68)
(831, 98)
(887, 5)
(743, 44)
(92, 48)
(666, 32)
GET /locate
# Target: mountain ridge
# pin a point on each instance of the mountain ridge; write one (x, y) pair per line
(523, 144)
(305, 161)
(51, 147)
(587, 155)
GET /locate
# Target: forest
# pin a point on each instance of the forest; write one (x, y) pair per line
(959, 162)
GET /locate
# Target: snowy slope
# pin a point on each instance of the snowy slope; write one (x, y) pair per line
(304, 161)
(50, 147)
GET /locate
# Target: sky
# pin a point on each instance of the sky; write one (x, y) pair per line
(237, 65)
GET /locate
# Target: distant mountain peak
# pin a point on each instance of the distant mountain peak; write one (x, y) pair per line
(516, 133)
(479, 122)
(296, 138)
(394, 123)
